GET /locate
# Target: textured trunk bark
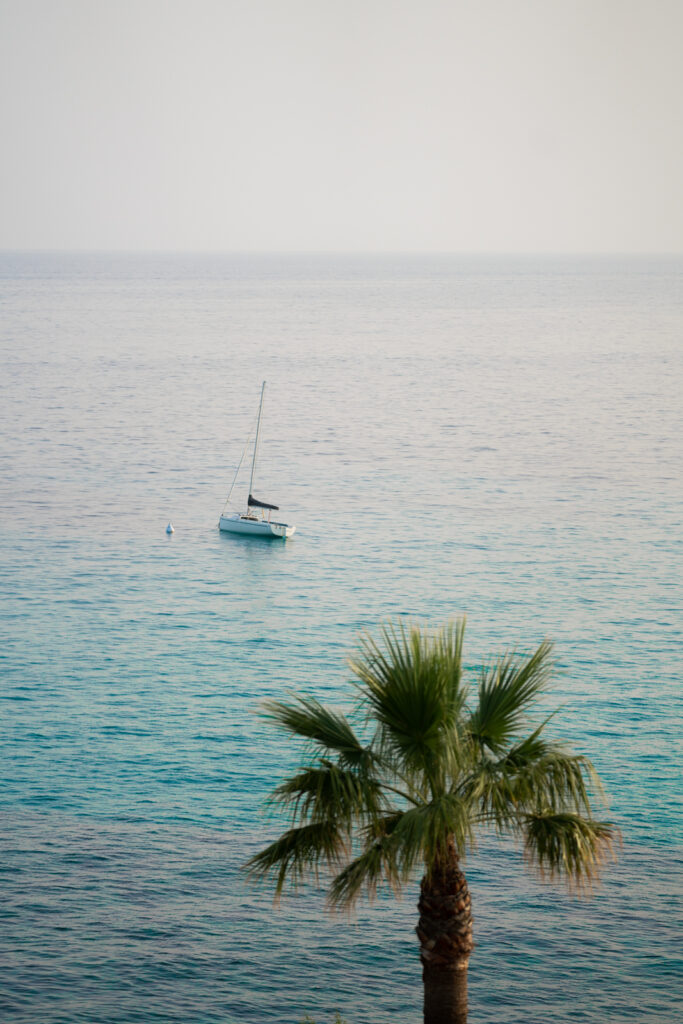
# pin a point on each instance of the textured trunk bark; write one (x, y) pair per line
(445, 934)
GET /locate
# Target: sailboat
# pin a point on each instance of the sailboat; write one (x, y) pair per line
(248, 522)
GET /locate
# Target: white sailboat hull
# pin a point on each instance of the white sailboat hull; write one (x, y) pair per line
(248, 524)
(255, 527)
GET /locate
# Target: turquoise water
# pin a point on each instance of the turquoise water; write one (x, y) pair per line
(499, 437)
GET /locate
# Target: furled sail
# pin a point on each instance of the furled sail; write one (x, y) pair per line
(255, 503)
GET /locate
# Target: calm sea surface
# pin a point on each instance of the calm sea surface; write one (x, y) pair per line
(496, 437)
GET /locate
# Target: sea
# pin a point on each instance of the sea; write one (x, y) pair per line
(490, 436)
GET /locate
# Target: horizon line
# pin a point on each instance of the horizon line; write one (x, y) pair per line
(552, 253)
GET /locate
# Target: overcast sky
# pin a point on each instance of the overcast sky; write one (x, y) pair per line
(461, 125)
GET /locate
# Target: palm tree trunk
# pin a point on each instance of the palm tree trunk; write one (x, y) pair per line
(445, 995)
(445, 934)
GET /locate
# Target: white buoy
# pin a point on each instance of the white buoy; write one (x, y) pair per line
(169, 528)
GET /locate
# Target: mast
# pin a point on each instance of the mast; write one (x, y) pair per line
(258, 430)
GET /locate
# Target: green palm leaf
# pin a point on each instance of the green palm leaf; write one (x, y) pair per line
(423, 832)
(533, 775)
(326, 791)
(568, 845)
(299, 851)
(376, 864)
(412, 686)
(328, 730)
(505, 693)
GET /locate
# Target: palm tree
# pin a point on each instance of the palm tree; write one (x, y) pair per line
(432, 767)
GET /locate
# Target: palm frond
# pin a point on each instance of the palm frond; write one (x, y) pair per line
(299, 851)
(535, 775)
(328, 730)
(421, 833)
(527, 751)
(376, 864)
(490, 792)
(399, 843)
(505, 692)
(411, 684)
(555, 782)
(568, 845)
(326, 791)
(447, 816)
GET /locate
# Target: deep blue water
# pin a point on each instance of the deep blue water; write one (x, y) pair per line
(497, 437)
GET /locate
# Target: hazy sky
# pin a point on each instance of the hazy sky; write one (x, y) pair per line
(464, 125)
